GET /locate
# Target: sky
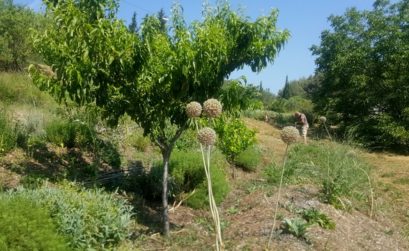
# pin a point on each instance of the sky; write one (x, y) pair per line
(305, 19)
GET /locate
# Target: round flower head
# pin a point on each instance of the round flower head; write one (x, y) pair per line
(289, 134)
(193, 109)
(207, 136)
(323, 119)
(212, 108)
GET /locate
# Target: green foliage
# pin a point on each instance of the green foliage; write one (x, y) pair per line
(313, 216)
(249, 159)
(292, 104)
(187, 141)
(8, 137)
(296, 227)
(301, 87)
(236, 96)
(335, 167)
(234, 137)
(69, 133)
(90, 218)
(220, 188)
(139, 141)
(363, 61)
(187, 174)
(15, 43)
(26, 226)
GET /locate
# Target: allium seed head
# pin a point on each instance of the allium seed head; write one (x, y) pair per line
(323, 119)
(289, 134)
(212, 108)
(193, 109)
(207, 136)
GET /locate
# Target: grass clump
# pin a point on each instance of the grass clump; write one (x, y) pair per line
(91, 218)
(249, 159)
(17, 88)
(344, 178)
(8, 135)
(26, 226)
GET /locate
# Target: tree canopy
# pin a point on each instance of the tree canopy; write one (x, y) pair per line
(364, 64)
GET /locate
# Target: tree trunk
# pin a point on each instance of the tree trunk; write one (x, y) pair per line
(165, 216)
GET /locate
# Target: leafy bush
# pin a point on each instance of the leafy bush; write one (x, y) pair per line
(234, 137)
(26, 226)
(90, 218)
(335, 167)
(8, 137)
(186, 174)
(249, 159)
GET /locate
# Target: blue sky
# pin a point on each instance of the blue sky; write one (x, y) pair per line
(304, 19)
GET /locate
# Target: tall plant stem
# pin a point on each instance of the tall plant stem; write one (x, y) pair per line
(212, 202)
(278, 197)
(326, 129)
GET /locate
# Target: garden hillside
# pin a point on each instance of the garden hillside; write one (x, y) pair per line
(78, 184)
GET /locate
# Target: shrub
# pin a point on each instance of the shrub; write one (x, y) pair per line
(249, 159)
(139, 141)
(69, 133)
(220, 188)
(234, 137)
(8, 137)
(90, 218)
(186, 174)
(26, 226)
(284, 119)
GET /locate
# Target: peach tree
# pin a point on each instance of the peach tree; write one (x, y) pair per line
(153, 74)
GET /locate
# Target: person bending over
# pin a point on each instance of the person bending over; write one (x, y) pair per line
(303, 122)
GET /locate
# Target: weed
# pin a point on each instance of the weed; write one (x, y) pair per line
(313, 216)
(233, 210)
(296, 227)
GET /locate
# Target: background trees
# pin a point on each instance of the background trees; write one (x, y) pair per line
(153, 75)
(364, 62)
(15, 44)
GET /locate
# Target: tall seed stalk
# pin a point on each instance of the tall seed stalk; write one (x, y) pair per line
(289, 135)
(207, 138)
